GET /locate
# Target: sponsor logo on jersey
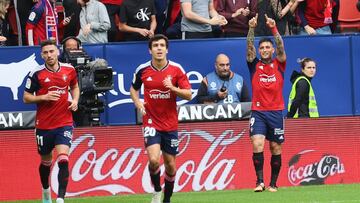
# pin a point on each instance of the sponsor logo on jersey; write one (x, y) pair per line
(267, 78)
(47, 80)
(157, 94)
(59, 90)
(149, 78)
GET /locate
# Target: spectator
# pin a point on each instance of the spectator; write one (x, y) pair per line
(335, 17)
(162, 11)
(23, 9)
(4, 25)
(237, 13)
(137, 19)
(72, 9)
(113, 9)
(277, 10)
(42, 23)
(172, 26)
(223, 85)
(316, 16)
(94, 22)
(302, 102)
(197, 18)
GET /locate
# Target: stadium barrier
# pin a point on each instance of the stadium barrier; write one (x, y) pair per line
(337, 58)
(213, 156)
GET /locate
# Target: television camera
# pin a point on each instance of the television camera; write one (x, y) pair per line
(94, 77)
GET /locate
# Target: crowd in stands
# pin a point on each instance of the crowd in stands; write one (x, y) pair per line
(99, 21)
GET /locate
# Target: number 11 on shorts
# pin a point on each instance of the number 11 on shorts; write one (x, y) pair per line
(40, 140)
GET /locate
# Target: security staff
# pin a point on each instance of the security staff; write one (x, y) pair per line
(302, 102)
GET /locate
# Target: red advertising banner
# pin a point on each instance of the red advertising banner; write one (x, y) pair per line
(213, 156)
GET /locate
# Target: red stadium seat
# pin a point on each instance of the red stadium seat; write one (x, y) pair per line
(349, 16)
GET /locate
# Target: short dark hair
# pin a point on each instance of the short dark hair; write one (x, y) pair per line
(47, 42)
(304, 61)
(266, 39)
(158, 37)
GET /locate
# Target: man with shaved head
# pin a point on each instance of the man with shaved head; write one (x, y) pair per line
(223, 85)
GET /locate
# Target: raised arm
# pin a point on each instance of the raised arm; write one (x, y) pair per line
(280, 50)
(290, 7)
(250, 50)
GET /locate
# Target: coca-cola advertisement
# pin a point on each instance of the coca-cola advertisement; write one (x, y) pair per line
(213, 156)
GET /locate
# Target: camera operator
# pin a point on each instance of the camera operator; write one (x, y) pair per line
(94, 77)
(69, 44)
(223, 85)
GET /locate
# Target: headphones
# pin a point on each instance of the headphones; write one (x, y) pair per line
(63, 42)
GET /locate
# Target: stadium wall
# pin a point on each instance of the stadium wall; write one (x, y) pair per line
(336, 85)
(213, 156)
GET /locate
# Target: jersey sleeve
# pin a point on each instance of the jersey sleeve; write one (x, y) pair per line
(282, 66)
(32, 83)
(74, 79)
(123, 13)
(153, 8)
(36, 13)
(252, 65)
(183, 81)
(137, 82)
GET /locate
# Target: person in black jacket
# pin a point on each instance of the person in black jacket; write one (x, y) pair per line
(300, 103)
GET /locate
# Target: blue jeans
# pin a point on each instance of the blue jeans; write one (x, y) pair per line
(320, 31)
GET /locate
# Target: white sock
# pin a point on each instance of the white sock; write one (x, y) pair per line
(59, 200)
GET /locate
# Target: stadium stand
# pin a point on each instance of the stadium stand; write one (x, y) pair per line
(349, 16)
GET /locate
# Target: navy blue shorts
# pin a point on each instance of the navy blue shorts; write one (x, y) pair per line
(47, 139)
(268, 123)
(169, 141)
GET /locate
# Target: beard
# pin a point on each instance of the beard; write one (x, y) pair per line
(225, 76)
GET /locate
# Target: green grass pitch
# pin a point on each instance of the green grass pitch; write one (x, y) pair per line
(341, 193)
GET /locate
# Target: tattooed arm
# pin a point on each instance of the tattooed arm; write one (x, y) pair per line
(251, 51)
(276, 8)
(280, 50)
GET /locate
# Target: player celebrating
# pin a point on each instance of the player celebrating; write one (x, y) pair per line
(163, 81)
(50, 83)
(267, 75)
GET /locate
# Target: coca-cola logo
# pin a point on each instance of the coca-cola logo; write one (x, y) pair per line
(113, 171)
(314, 172)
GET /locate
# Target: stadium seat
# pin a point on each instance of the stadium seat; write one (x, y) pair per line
(349, 16)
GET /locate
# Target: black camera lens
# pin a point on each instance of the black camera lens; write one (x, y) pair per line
(223, 89)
